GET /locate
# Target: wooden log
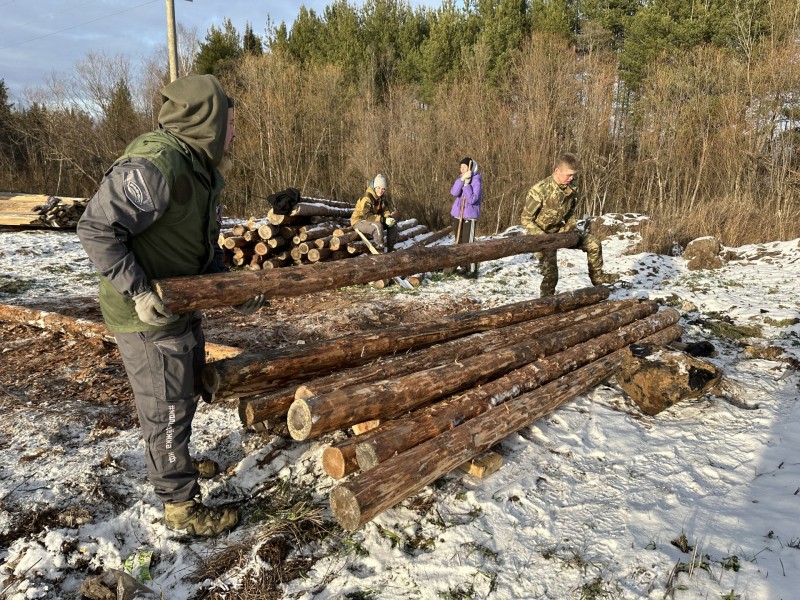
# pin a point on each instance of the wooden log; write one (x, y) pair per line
(330, 202)
(270, 407)
(238, 230)
(235, 241)
(340, 459)
(31, 210)
(357, 247)
(277, 242)
(407, 234)
(182, 294)
(366, 495)
(316, 231)
(274, 263)
(429, 238)
(399, 435)
(389, 398)
(268, 231)
(51, 321)
(262, 249)
(318, 254)
(254, 373)
(319, 209)
(343, 230)
(323, 242)
(457, 349)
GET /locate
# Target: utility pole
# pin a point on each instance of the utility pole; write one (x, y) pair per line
(172, 44)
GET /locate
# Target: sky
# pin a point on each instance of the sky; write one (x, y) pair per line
(591, 502)
(38, 37)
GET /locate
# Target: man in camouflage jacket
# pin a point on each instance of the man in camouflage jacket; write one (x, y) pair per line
(550, 208)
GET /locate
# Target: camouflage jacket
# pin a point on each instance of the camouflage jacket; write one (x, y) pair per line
(549, 208)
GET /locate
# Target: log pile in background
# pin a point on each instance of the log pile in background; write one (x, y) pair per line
(315, 230)
(34, 210)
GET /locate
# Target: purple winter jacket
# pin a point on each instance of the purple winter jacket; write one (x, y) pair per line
(471, 194)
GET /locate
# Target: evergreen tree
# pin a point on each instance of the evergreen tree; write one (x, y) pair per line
(555, 16)
(221, 47)
(121, 123)
(251, 43)
(441, 50)
(504, 26)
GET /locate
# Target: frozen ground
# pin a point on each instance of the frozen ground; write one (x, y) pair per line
(594, 501)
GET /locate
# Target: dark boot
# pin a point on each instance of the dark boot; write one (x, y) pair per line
(197, 519)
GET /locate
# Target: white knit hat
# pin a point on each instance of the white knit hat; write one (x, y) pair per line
(379, 182)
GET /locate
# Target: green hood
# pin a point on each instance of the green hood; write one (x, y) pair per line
(195, 111)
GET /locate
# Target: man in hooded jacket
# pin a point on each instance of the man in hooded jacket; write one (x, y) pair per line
(156, 215)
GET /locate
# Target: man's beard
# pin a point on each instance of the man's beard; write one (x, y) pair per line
(226, 164)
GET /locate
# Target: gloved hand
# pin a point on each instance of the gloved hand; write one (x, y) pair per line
(248, 307)
(466, 177)
(390, 222)
(151, 310)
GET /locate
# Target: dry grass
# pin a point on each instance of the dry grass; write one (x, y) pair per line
(273, 554)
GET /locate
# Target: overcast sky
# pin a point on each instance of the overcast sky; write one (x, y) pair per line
(38, 37)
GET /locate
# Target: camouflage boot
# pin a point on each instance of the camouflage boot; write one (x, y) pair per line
(197, 519)
(601, 277)
(206, 468)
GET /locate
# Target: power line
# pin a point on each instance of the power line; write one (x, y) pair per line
(78, 25)
(40, 19)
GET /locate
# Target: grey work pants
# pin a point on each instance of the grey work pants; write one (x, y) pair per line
(381, 236)
(164, 369)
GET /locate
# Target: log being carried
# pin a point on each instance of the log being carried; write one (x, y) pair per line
(184, 294)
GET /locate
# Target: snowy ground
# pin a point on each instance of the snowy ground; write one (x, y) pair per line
(592, 502)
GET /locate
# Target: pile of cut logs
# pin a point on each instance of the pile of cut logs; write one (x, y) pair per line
(315, 230)
(424, 396)
(32, 210)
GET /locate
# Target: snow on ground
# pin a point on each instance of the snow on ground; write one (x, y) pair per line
(592, 501)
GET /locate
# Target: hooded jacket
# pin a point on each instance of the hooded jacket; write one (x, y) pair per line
(371, 207)
(469, 194)
(156, 211)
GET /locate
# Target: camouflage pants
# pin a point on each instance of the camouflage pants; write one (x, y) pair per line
(548, 263)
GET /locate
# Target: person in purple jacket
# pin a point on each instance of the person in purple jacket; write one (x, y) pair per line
(468, 192)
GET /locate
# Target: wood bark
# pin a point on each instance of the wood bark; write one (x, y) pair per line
(398, 435)
(51, 321)
(270, 407)
(389, 398)
(458, 349)
(429, 238)
(253, 373)
(183, 294)
(366, 495)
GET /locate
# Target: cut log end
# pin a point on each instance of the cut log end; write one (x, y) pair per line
(345, 508)
(334, 462)
(366, 457)
(299, 420)
(303, 392)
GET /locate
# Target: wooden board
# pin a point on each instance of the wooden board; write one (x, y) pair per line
(483, 465)
(16, 210)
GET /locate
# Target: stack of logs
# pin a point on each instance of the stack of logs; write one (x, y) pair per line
(40, 211)
(315, 230)
(430, 389)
